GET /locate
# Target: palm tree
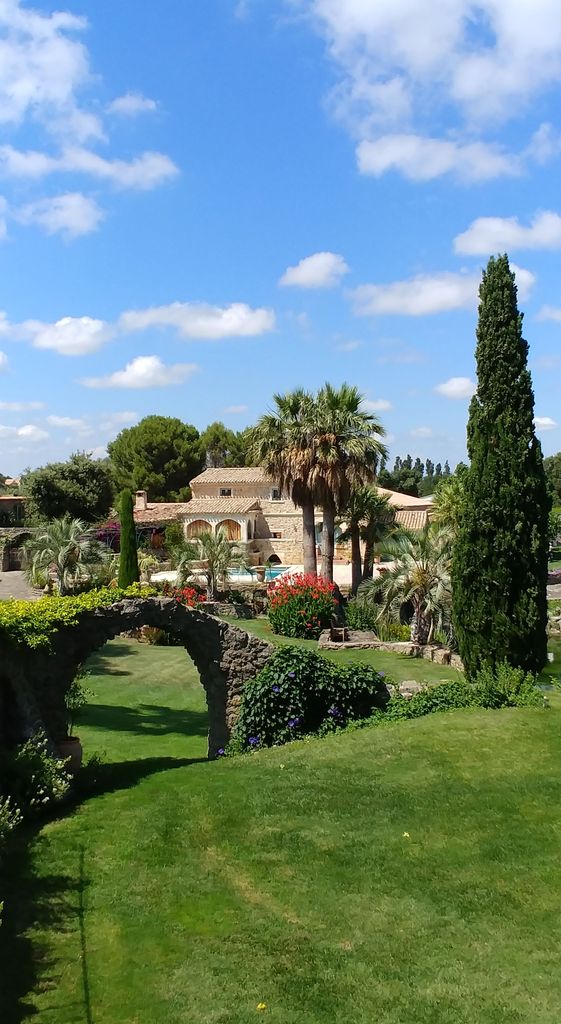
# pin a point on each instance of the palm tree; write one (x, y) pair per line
(283, 443)
(348, 448)
(210, 556)
(420, 575)
(368, 517)
(449, 500)
(65, 547)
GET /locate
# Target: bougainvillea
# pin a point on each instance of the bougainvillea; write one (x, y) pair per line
(301, 605)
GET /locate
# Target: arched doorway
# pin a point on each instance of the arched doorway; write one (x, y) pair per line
(14, 555)
(225, 657)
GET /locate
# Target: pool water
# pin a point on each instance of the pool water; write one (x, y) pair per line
(270, 574)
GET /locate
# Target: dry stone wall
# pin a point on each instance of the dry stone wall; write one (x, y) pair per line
(33, 683)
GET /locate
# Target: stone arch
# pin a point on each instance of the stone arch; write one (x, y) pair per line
(13, 551)
(198, 526)
(231, 528)
(226, 658)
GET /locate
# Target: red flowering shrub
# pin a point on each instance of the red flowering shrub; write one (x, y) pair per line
(301, 606)
(191, 597)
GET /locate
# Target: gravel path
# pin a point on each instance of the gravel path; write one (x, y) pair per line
(13, 584)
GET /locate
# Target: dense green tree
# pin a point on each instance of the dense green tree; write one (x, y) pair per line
(500, 560)
(161, 454)
(81, 488)
(449, 499)
(128, 558)
(552, 466)
(220, 446)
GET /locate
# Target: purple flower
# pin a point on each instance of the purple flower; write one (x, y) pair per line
(220, 752)
(275, 688)
(381, 674)
(293, 722)
(291, 675)
(335, 712)
(253, 741)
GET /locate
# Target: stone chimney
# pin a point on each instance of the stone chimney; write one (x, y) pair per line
(141, 503)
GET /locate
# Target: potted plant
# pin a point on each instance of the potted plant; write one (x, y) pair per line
(70, 748)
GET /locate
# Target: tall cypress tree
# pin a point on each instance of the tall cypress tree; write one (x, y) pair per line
(128, 560)
(500, 559)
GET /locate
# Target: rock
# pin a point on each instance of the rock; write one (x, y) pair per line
(409, 687)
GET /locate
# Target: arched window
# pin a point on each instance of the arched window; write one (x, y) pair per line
(232, 529)
(197, 527)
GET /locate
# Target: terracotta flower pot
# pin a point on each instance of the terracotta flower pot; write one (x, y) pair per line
(70, 750)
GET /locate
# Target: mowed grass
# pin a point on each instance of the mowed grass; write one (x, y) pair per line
(396, 666)
(401, 875)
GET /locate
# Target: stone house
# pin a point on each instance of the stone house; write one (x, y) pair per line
(250, 507)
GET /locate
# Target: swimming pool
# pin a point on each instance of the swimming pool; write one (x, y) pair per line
(271, 573)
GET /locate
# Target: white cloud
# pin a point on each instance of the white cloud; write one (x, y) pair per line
(349, 346)
(417, 296)
(488, 58)
(3, 362)
(131, 104)
(475, 64)
(72, 214)
(70, 336)
(42, 68)
(144, 372)
(376, 405)
(420, 158)
(425, 294)
(112, 420)
(544, 423)
(21, 406)
(199, 320)
(488, 235)
(550, 313)
(422, 432)
(236, 408)
(143, 173)
(31, 432)
(322, 270)
(456, 387)
(66, 421)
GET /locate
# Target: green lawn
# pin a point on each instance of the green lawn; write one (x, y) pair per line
(396, 666)
(399, 875)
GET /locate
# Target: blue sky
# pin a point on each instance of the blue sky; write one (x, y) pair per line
(203, 203)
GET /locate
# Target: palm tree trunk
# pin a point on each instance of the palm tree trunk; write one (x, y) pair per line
(309, 538)
(356, 563)
(368, 567)
(328, 543)
(420, 626)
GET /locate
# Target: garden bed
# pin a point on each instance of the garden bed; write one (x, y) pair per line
(364, 640)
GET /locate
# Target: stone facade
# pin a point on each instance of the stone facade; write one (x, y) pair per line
(33, 682)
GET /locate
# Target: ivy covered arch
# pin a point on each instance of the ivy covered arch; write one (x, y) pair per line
(34, 680)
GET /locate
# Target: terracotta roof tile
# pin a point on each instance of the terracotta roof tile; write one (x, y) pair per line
(220, 506)
(160, 512)
(412, 519)
(234, 475)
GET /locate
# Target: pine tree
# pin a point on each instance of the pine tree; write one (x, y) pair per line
(500, 561)
(128, 560)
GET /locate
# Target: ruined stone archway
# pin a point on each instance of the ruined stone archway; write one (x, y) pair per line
(226, 658)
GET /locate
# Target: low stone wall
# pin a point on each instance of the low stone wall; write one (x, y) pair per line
(364, 640)
(33, 682)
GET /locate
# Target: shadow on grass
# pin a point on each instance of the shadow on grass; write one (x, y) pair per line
(145, 720)
(40, 904)
(102, 662)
